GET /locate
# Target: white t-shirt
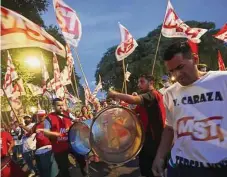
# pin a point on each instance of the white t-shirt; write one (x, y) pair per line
(198, 115)
(29, 143)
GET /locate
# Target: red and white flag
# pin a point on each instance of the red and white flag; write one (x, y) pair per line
(222, 34)
(17, 31)
(87, 94)
(69, 22)
(221, 63)
(59, 89)
(10, 76)
(173, 26)
(18, 89)
(127, 46)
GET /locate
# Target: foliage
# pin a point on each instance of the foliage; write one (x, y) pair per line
(141, 60)
(32, 9)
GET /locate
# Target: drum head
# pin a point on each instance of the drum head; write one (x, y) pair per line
(116, 135)
(79, 134)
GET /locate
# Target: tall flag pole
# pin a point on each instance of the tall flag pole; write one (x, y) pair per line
(124, 49)
(71, 28)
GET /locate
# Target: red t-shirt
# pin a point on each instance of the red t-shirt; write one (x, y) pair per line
(6, 138)
(41, 139)
(61, 125)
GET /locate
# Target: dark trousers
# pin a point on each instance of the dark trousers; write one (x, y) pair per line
(181, 171)
(46, 164)
(147, 156)
(29, 157)
(81, 161)
(63, 163)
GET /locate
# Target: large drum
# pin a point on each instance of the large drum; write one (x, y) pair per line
(79, 136)
(116, 135)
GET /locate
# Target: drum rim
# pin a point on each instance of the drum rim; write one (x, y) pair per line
(90, 149)
(139, 122)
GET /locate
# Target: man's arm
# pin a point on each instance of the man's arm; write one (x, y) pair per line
(47, 130)
(11, 143)
(163, 150)
(126, 98)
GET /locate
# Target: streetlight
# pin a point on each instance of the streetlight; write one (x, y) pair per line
(32, 61)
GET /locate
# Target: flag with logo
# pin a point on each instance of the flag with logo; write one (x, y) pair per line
(10, 76)
(221, 63)
(18, 31)
(173, 26)
(68, 21)
(127, 46)
(222, 34)
(59, 89)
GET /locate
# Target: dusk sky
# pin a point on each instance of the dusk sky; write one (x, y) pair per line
(99, 19)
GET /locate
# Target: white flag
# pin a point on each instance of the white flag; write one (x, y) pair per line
(36, 90)
(173, 26)
(68, 21)
(127, 46)
(17, 31)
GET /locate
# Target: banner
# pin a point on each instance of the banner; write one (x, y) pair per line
(222, 34)
(173, 26)
(17, 31)
(127, 46)
(98, 87)
(68, 22)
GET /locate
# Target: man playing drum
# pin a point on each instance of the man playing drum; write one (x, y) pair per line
(196, 119)
(56, 127)
(152, 113)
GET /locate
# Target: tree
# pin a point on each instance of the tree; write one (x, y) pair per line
(141, 60)
(31, 9)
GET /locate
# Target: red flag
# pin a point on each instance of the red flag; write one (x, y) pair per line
(68, 21)
(194, 48)
(222, 34)
(221, 64)
(173, 26)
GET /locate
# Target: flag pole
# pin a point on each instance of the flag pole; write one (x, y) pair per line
(123, 67)
(10, 105)
(80, 66)
(156, 52)
(77, 92)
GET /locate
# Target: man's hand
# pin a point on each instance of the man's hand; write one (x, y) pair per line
(158, 167)
(112, 94)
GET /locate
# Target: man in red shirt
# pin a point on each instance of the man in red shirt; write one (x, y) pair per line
(56, 127)
(6, 147)
(152, 113)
